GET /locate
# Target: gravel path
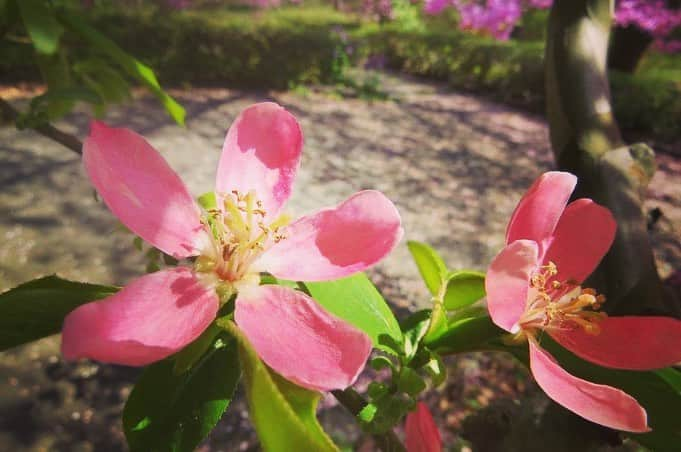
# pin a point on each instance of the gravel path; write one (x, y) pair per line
(454, 165)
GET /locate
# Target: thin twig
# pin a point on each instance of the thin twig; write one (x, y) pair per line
(354, 402)
(46, 129)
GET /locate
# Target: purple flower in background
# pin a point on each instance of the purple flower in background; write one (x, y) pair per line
(652, 16)
(178, 4)
(435, 7)
(497, 18)
(379, 9)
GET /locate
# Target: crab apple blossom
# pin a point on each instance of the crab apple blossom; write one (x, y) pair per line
(158, 314)
(533, 287)
(421, 433)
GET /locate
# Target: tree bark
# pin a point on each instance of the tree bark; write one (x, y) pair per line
(587, 142)
(628, 46)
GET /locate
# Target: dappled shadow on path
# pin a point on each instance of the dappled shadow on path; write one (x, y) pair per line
(454, 165)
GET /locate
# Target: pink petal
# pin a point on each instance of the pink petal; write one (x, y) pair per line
(141, 189)
(421, 434)
(538, 212)
(336, 242)
(601, 404)
(300, 340)
(507, 282)
(582, 237)
(151, 318)
(261, 153)
(636, 343)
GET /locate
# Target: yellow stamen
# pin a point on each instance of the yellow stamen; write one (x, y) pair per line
(560, 305)
(239, 235)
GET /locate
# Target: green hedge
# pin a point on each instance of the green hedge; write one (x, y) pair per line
(293, 45)
(509, 72)
(230, 47)
(235, 48)
(512, 72)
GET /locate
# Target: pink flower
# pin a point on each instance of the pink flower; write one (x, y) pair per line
(160, 313)
(533, 288)
(421, 434)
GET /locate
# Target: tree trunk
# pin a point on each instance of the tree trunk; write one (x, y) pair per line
(628, 46)
(587, 142)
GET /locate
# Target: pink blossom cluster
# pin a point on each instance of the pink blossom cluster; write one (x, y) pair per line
(497, 18)
(263, 4)
(650, 15)
(178, 4)
(378, 9)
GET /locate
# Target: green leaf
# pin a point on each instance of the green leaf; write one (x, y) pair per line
(464, 288)
(410, 382)
(128, 63)
(376, 390)
(356, 300)
(381, 362)
(304, 403)
(283, 414)
(438, 319)
(106, 81)
(41, 25)
(415, 327)
(659, 441)
(190, 355)
(266, 278)
(384, 412)
(431, 266)
(170, 412)
(9, 13)
(436, 369)
(367, 413)
(672, 376)
(36, 309)
(465, 335)
(56, 73)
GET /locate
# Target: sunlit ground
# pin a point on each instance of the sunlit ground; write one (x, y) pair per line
(454, 165)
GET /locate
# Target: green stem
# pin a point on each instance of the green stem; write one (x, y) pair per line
(354, 402)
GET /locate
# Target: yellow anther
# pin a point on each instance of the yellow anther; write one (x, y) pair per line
(551, 268)
(586, 299)
(281, 221)
(560, 305)
(239, 235)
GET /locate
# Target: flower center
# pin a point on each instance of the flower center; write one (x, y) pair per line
(555, 305)
(238, 235)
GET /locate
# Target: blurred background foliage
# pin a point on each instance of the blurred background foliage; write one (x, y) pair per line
(262, 44)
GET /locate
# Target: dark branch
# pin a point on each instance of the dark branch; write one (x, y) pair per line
(47, 130)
